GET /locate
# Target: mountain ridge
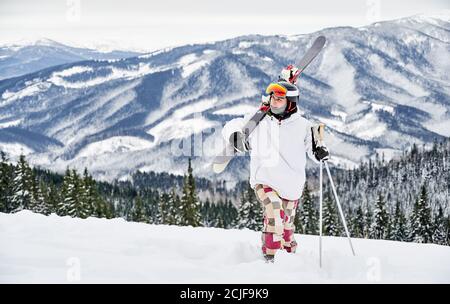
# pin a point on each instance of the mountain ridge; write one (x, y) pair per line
(368, 85)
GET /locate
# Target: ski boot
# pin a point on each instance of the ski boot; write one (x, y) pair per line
(269, 258)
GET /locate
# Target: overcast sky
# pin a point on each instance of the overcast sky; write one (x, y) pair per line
(149, 25)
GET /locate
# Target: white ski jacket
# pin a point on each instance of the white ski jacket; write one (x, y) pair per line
(278, 152)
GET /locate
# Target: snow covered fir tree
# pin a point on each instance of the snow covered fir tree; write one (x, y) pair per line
(250, 212)
(405, 199)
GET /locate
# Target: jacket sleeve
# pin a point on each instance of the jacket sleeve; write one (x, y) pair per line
(308, 143)
(234, 125)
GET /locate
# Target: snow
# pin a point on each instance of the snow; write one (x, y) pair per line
(116, 73)
(393, 77)
(246, 44)
(168, 130)
(176, 126)
(381, 107)
(293, 37)
(52, 249)
(238, 110)
(187, 59)
(388, 153)
(342, 162)
(15, 149)
(191, 68)
(339, 148)
(209, 51)
(440, 127)
(10, 123)
(340, 114)
(368, 127)
(114, 98)
(337, 124)
(72, 71)
(116, 144)
(29, 90)
(341, 76)
(191, 63)
(154, 53)
(197, 107)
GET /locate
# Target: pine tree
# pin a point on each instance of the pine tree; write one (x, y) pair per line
(440, 233)
(6, 181)
(164, 208)
(421, 227)
(173, 215)
(399, 227)
(220, 216)
(22, 193)
(138, 212)
(298, 220)
(379, 228)
(38, 203)
(368, 222)
(52, 198)
(205, 211)
(66, 191)
(330, 220)
(190, 206)
(232, 215)
(93, 203)
(358, 223)
(250, 212)
(308, 214)
(447, 229)
(73, 200)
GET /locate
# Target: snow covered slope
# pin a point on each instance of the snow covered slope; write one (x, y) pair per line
(25, 57)
(378, 88)
(38, 249)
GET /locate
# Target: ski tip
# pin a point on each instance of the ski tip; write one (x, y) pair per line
(321, 40)
(218, 168)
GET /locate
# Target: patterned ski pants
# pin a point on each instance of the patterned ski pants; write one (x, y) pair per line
(279, 214)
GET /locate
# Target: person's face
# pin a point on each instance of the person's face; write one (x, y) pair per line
(277, 101)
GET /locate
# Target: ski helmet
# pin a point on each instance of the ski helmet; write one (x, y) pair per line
(283, 88)
(288, 90)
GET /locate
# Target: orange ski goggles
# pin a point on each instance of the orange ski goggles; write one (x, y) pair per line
(276, 89)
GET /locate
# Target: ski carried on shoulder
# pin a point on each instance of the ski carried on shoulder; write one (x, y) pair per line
(222, 160)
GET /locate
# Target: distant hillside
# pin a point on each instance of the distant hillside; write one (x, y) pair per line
(28, 57)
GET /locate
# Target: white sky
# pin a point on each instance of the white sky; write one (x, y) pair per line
(148, 25)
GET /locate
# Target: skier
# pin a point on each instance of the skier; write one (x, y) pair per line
(277, 159)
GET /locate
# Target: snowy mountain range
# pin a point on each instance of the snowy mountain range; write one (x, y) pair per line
(379, 88)
(24, 57)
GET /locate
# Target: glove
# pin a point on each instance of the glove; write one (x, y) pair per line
(321, 153)
(319, 149)
(289, 74)
(265, 103)
(238, 142)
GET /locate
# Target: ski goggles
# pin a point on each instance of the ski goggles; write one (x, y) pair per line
(276, 89)
(279, 90)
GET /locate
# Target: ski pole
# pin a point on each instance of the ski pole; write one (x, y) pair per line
(320, 214)
(321, 129)
(339, 207)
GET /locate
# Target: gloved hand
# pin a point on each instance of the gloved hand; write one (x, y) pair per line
(265, 103)
(289, 74)
(319, 149)
(321, 153)
(238, 142)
